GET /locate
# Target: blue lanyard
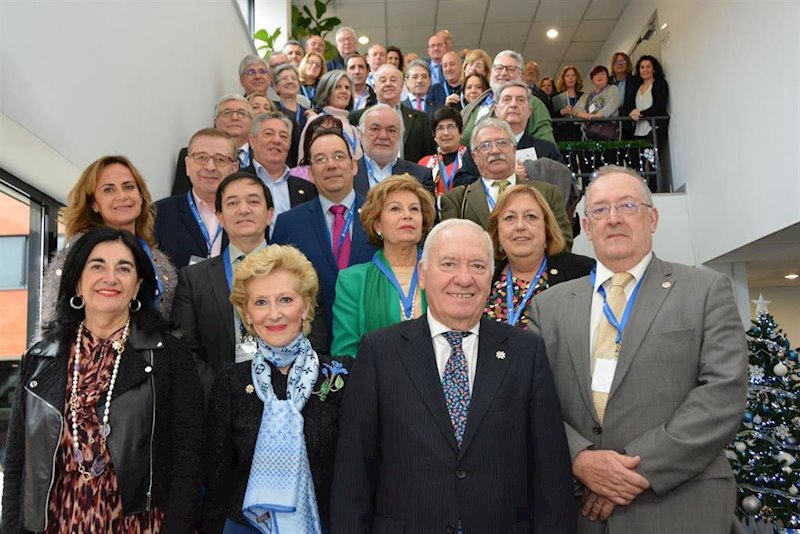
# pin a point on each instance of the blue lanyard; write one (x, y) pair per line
(515, 313)
(159, 284)
(352, 141)
(246, 161)
(296, 113)
(609, 313)
(448, 180)
(360, 99)
(347, 223)
(489, 101)
(489, 198)
(203, 230)
(306, 91)
(226, 257)
(407, 300)
(371, 172)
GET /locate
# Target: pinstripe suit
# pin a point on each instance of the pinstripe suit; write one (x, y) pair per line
(398, 466)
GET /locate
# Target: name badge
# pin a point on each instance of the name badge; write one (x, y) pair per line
(592, 108)
(195, 259)
(603, 376)
(246, 350)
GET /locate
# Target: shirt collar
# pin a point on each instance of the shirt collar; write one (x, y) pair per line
(512, 180)
(265, 175)
(438, 328)
(347, 201)
(604, 274)
(374, 164)
(234, 251)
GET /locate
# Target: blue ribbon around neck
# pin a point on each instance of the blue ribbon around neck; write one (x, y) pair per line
(159, 283)
(514, 313)
(609, 313)
(347, 223)
(448, 180)
(407, 300)
(199, 220)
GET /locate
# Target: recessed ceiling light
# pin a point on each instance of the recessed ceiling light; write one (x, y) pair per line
(552, 33)
(792, 276)
(363, 39)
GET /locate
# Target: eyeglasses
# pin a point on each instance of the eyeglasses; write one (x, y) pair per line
(446, 127)
(228, 113)
(252, 72)
(501, 144)
(621, 62)
(322, 159)
(201, 158)
(511, 69)
(623, 209)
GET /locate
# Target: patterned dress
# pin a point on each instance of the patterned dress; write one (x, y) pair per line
(497, 307)
(78, 505)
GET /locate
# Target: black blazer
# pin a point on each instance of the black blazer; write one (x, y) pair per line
(233, 423)
(468, 172)
(433, 100)
(417, 139)
(422, 174)
(560, 268)
(203, 314)
(177, 233)
(398, 466)
(182, 183)
(660, 92)
(299, 190)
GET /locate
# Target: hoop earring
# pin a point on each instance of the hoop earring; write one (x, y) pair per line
(134, 305)
(76, 302)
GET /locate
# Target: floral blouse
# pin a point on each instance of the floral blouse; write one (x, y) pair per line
(497, 306)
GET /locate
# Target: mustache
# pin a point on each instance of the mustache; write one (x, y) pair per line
(496, 157)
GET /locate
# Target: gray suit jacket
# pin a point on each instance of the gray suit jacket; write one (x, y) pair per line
(676, 400)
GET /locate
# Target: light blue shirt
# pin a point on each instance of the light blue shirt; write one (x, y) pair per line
(375, 173)
(278, 188)
(346, 202)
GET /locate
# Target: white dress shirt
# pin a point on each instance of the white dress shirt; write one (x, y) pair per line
(441, 347)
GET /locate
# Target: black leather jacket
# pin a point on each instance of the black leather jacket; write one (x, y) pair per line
(155, 443)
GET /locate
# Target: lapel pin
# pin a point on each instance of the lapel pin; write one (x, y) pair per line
(553, 271)
(249, 389)
(666, 284)
(500, 355)
(301, 192)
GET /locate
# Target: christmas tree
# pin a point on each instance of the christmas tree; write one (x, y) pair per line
(765, 454)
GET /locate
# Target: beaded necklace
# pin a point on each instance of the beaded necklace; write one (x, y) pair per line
(99, 463)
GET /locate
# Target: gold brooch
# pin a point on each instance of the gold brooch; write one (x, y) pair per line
(666, 285)
(500, 355)
(249, 389)
(553, 271)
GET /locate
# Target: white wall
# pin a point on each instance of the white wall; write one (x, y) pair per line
(82, 79)
(733, 69)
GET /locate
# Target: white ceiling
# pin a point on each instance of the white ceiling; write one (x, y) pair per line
(493, 25)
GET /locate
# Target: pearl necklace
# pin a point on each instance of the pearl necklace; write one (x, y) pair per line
(99, 463)
(413, 306)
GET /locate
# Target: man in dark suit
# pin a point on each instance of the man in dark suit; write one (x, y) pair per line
(202, 311)
(363, 95)
(381, 131)
(650, 362)
(495, 153)
(186, 226)
(345, 40)
(449, 421)
(232, 115)
(270, 140)
(417, 136)
(513, 107)
(423, 95)
(451, 69)
(327, 229)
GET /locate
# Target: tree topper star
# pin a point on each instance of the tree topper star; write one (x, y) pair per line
(761, 304)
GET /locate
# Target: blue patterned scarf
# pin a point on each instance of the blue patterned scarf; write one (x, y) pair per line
(280, 491)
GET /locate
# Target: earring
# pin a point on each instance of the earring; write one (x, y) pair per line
(134, 305)
(380, 235)
(77, 302)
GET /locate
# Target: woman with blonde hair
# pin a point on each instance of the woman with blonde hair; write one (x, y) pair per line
(312, 68)
(569, 85)
(397, 215)
(111, 192)
(273, 421)
(530, 252)
(260, 104)
(476, 61)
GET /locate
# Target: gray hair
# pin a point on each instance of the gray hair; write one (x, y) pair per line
(388, 66)
(362, 122)
(279, 69)
(250, 59)
(512, 54)
(326, 85)
(418, 63)
(512, 83)
(616, 169)
(490, 122)
(443, 226)
(342, 30)
(269, 115)
(231, 97)
(292, 42)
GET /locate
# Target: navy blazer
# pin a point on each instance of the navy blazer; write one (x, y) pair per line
(305, 228)
(468, 172)
(417, 138)
(433, 100)
(182, 183)
(422, 174)
(177, 233)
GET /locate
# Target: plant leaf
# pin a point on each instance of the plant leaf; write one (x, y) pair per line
(320, 8)
(339, 382)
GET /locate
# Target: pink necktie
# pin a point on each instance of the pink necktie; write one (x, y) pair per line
(342, 255)
(419, 104)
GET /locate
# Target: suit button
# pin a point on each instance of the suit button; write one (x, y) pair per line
(37, 351)
(450, 529)
(597, 430)
(33, 383)
(461, 474)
